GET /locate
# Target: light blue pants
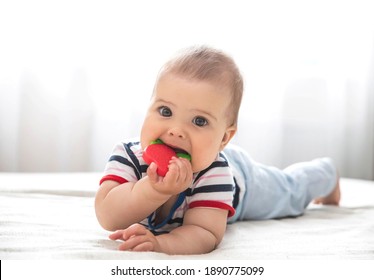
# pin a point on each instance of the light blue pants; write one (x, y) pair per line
(273, 193)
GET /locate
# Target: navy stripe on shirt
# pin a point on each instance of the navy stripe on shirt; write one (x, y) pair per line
(122, 160)
(235, 201)
(134, 159)
(213, 165)
(210, 188)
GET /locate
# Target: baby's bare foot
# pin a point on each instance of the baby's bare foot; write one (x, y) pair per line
(332, 199)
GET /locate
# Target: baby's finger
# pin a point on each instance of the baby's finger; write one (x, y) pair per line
(187, 167)
(184, 169)
(135, 229)
(152, 172)
(117, 235)
(134, 242)
(173, 172)
(144, 247)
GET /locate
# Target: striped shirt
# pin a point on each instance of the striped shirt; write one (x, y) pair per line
(214, 187)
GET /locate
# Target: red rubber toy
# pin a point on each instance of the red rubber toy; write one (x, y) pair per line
(161, 154)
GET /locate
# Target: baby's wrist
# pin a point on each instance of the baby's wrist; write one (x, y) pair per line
(151, 193)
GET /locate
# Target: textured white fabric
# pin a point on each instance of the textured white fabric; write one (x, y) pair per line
(51, 216)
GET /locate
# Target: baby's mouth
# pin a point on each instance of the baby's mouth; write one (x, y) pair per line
(179, 152)
(183, 154)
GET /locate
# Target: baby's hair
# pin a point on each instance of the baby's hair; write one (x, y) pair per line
(208, 64)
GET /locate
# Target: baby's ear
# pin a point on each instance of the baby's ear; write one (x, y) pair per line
(229, 134)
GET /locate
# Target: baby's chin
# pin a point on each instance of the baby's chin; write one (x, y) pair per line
(197, 167)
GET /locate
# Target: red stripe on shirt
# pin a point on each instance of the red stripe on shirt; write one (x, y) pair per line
(113, 178)
(213, 204)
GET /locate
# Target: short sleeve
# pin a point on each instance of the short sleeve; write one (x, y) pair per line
(213, 188)
(124, 164)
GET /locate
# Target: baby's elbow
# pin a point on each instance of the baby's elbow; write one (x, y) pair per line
(104, 206)
(105, 220)
(218, 238)
(107, 225)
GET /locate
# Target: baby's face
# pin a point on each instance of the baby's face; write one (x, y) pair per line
(189, 115)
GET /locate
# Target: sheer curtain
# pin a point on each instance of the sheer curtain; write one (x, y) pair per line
(76, 76)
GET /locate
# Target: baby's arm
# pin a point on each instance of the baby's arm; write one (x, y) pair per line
(120, 205)
(201, 232)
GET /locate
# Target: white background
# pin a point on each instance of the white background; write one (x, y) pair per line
(76, 76)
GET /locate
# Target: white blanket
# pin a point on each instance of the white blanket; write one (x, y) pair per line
(51, 216)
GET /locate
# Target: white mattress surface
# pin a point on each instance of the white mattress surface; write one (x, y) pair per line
(51, 216)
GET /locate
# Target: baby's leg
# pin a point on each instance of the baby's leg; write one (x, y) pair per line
(275, 193)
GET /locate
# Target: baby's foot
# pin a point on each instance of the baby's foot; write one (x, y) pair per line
(332, 199)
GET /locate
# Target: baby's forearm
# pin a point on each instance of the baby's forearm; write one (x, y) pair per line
(188, 240)
(123, 205)
(201, 232)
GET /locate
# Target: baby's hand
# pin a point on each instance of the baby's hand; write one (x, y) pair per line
(177, 179)
(136, 238)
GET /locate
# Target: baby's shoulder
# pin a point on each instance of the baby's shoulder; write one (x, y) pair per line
(128, 149)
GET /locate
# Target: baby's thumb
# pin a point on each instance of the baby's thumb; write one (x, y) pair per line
(152, 172)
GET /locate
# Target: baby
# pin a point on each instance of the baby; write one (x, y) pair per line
(194, 108)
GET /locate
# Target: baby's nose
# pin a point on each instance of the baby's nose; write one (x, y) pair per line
(176, 132)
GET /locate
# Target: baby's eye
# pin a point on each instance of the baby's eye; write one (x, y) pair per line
(200, 121)
(165, 111)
